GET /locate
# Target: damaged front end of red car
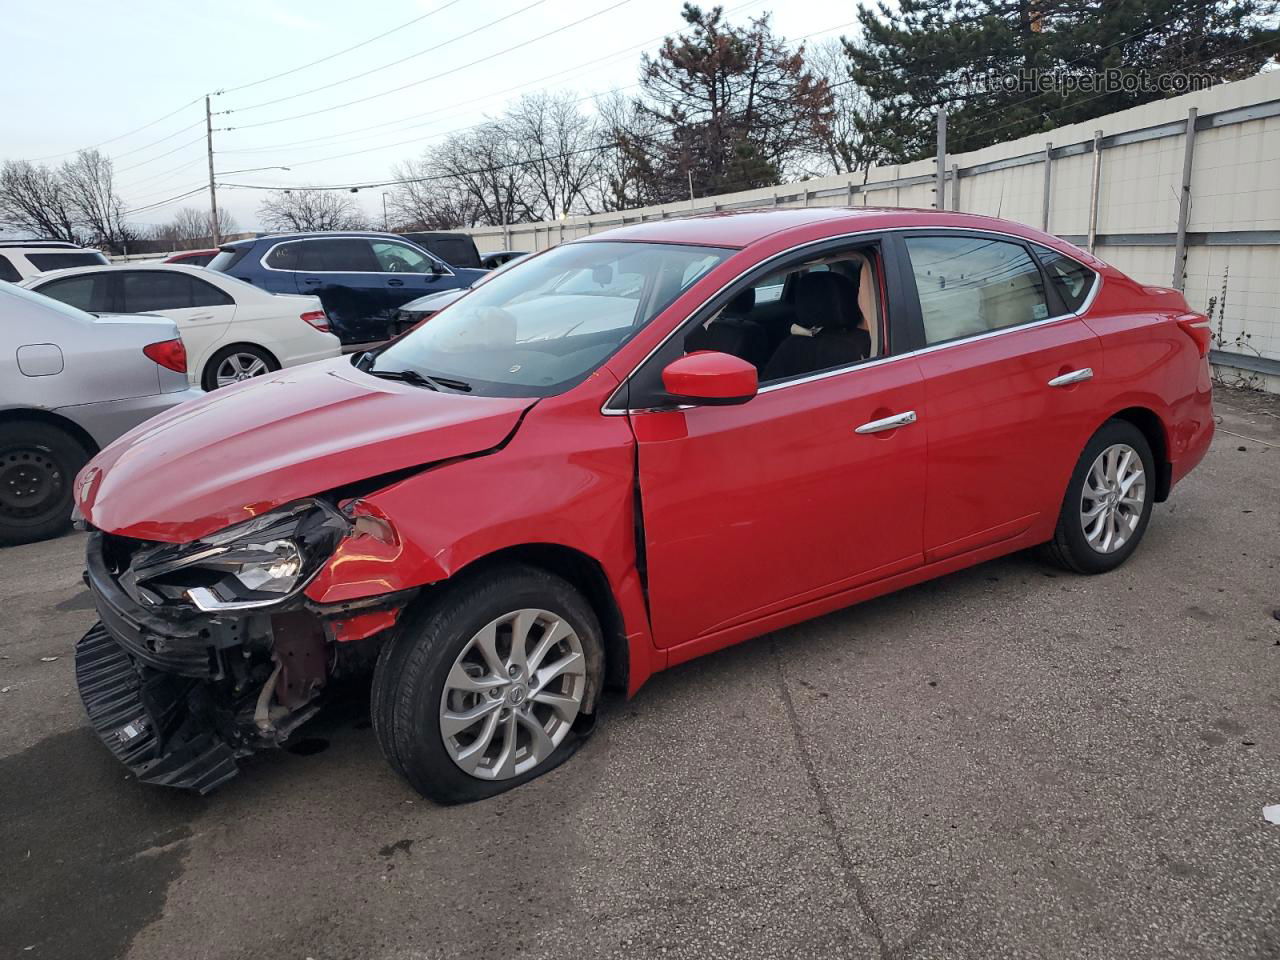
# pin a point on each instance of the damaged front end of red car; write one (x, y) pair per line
(211, 650)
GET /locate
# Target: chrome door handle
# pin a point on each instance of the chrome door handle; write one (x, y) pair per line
(1075, 376)
(888, 423)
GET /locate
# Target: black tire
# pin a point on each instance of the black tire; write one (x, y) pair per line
(409, 680)
(38, 467)
(209, 378)
(1070, 547)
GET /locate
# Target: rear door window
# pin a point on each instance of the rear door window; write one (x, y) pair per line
(969, 285)
(338, 255)
(145, 291)
(8, 271)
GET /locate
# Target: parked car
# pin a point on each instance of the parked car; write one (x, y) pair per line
(455, 249)
(416, 311)
(20, 259)
(232, 329)
(71, 383)
(613, 460)
(361, 278)
(496, 259)
(193, 258)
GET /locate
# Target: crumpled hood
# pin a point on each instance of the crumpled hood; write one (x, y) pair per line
(245, 449)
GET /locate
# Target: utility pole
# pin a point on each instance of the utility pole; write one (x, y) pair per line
(213, 192)
(940, 200)
(384, 211)
(690, 173)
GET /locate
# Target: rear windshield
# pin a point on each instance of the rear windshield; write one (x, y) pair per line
(539, 329)
(60, 261)
(227, 257)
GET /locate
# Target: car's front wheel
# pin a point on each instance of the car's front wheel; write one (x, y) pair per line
(488, 686)
(1108, 502)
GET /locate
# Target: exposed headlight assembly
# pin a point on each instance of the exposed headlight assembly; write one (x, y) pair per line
(257, 563)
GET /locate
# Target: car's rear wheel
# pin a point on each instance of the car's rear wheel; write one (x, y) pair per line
(38, 463)
(488, 686)
(236, 363)
(1108, 502)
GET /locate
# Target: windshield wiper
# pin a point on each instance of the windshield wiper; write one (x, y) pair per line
(406, 376)
(422, 380)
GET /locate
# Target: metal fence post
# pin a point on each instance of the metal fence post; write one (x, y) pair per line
(1048, 187)
(1184, 205)
(1094, 189)
(940, 198)
(955, 187)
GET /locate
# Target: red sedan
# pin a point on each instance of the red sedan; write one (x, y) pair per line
(624, 453)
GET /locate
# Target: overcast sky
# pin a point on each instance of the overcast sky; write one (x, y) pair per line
(96, 71)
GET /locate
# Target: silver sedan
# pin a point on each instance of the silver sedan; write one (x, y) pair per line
(70, 383)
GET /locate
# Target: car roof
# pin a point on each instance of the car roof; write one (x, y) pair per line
(201, 272)
(314, 235)
(737, 229)
(42, 244)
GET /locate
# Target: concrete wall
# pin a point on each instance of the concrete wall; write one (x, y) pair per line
(1234, 223)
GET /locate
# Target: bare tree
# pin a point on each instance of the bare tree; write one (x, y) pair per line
(308, 209)
(485, 165)
(843, 147)
(89, 184)
(426, 202)
(189, 229)
(34, 200)
(558, 147)
(625, 166)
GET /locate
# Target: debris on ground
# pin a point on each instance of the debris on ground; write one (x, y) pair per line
(48, 659)
(1271, 814)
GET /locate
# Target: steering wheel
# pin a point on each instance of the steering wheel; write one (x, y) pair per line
(396, 265)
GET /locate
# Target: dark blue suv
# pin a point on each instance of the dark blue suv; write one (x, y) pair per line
(361, 278)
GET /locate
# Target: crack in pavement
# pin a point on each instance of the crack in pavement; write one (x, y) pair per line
(869, 922)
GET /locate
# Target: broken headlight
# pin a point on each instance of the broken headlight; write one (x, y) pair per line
(253, 564)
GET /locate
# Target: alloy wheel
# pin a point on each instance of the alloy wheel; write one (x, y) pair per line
(239, 366)
(512, 694)
(1114, 498)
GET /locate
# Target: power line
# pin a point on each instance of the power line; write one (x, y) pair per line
(445, 133)
(414, 83)
(357, 46)
(388, 66)
(340, 137)
(161, 156)
(103, 143)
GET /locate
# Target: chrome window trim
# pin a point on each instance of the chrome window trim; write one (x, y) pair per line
(448, 272)
(863, 364)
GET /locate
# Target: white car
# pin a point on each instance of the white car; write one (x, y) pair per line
(21, 259)
(231, 329)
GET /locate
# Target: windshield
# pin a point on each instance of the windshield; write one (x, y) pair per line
(540, 329)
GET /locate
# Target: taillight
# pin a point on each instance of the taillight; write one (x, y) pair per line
(318, 319)
(1196, 326)
(170, 354)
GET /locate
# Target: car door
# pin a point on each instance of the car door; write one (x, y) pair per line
(202, 312)
(408, 272)
(1006, 373)
(344, 274)
(813, 487)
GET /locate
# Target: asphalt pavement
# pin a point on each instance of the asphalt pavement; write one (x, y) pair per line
(1008, 762)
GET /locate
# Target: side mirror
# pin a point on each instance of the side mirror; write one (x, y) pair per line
(709, 378)
(437, 268)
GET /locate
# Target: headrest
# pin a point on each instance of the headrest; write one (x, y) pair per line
(742, 303)
(828, 300)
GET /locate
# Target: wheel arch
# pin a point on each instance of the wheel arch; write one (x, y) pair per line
(68, 426)
(585, 574)
(1153, 429)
